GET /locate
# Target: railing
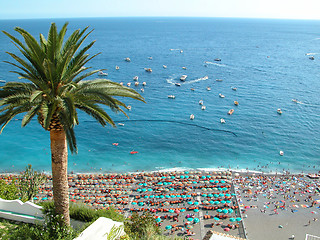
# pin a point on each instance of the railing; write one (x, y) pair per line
(311, 237)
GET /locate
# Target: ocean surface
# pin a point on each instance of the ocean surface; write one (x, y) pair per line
(266, 60)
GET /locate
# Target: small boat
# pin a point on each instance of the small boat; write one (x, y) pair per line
(203, 107)
(279, 111)
(236, 103)
(208, 88)
(115, 144)
(281, 153)
(117, 67)
(201, 102)
(164, 66)
(127, 59)
(222, 120)
(295, 100)
(171, 96)
(205, 77)
(222, 96)
(121, 83)
(135, 78)
(217, 59)
(234, 88)
(148, 69)
(191, 117)
(150, 58)
(142, 90)
(144, 83)
(102, 73)
(311, 58)
(231, 111)
(133, 152)
(313, 176)
(128, 84)
(192, 89)
(129, 107)
(219, 80)
(183, 77)
(177, 84)
(136, 83)
(121, 124)
(184, 68)
(2, 81)
(181, 51)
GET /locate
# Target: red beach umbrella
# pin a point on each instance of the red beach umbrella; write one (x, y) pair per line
(226, 229)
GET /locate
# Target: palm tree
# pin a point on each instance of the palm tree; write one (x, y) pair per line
(53, 89)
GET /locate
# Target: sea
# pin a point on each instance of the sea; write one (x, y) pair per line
(265, 64)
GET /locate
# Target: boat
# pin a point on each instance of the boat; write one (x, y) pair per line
(279, 111)
(117, 67)
(221, 95)
(236, 103)
(201, 102)
(150, 58)
(121, 124)
(311, 58)
(203, 107)
(217, 59)
(121, 83)
(2, 81)
(222, 120)
(281, 153)
(231, 111)
(135, 78)
(208, 88)
(133, 152)
(192, 89)
(136, 83)
(183, 77)
(142, 89)
(234, 88)
(191, 117)
(295, 100)
(177, 84)
(219, 80)
(129, 107)
(127, 59)
(164, 66)
(205, 77)
(144, 83)
(148, 69)
(102, 73)
(115, 144)
(128, 84)
(313, 176)
(171, 96)
(184, 68)
(181, 51)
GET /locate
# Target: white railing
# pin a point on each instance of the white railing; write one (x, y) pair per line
(311, 237)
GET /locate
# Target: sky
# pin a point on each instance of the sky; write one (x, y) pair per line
(284, 9)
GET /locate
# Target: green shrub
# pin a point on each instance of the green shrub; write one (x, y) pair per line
(8, 191)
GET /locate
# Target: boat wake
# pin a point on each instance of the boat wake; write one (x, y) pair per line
(308, 54)
(197, 80)
(171, 81)
(217, 64)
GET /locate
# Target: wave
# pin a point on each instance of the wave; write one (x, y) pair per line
(217, 64)
(197, 80)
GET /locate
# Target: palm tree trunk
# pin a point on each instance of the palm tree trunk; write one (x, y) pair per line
(59, 161)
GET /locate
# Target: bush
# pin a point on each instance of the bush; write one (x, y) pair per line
(8, 191)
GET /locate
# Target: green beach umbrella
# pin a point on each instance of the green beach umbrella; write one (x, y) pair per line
(196, 203)
(190, 219)
(225, 211)
(190, 202)
(158, 220)
(182, 210)
(232, 220)
(134, 203)
(196, 210)
(216, 218)
(230, 210)
(168, 227)
(171, 210)
(196, 220)
(219, 210)
(238, 219)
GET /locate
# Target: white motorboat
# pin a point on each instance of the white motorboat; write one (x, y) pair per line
(279, 111)
(234, 88)
(135, 78)
(2, 81)
(311, 58)
(281, 153)
(127, 59)
(183, 77)
(128, 84)
(219, 80)
(203, 107)
(217, 59)
(231, 111)
(150, 58)
(136, 83)
(144, 83)
(208, 88)
(142, 89)
(121, 124)
(184, 68)
(121, 83)
(171, 96)
(181, 51)
(129, 107)
(102, 73)
(177, 84)
(191, 117)
(148, 69)
(164, 66)
(201, 102)
(221, 95)
(222, 120)
(117, 67)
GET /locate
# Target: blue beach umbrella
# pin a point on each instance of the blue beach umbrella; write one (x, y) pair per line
(216, 181)
(150, 189)
(228, 201)
(144, 184)
(204, 195)
(223, 202)
(163, 177)
(196, 203)
(139, 190)
(182, 210)
(203, 177)
(157, 196)
(158, 220)
(219, 210)
(168, 227)
(222, 181)
(194, 182)
(232, 220)
(161, 196)
(221, 195)
(211, 202)
(171, 210)
(186, 176)
(230, 210)
(167, 196)
(196, 210)
(134, 203)
(146, 196)
(190, 202)
(216, 218)
(216, 202)
(233, 194)
(173, 177)
(178, 196)
(208, 176)
(183, 196)
(238, 219)
(140, 184)
(188, 195)
(151, 196)
(210, 195)
(216, 195)
(225, 211)
(160, 183)
(224, 189)
(196, 220)
(44, 198)
(186, 172)
(140, 203)
(189, 219)
(211, 181)
(144, 190)
(227, 195)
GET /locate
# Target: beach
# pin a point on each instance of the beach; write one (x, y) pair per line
(193, 203)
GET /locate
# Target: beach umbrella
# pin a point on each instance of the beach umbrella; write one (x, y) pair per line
(139, 190)
(225, 211)
(216, 195)
(221, 195)
(228, 201)
(157, 196)
(178, 196)
(232, 220)
(167, 196)
(151, 196)
(160, 183)
(227, 195)
(190, 202)
(141, 203)
(216, 181)
(134, 203)
(211, 202)
(230, 210)
(158, 220)
(182, 210)
(140, 184)
(171, 189)
(168, 227)
(196, 210)
(166, 203)
(203, 177)
(186, 172)
(171, 210)
(204, 195)
(150, 189)
(183, 196)
(233, 194)
(219, 210)
(205, 202)
(226, 229)
(144, 184)
(216, 218)
(161, 196)
(146, 196)
(189, 219)
(186, 176)
(182, 176)
(144, 190)
(189, 226)
(173, 177)
(188, 195)
(224, 189)
(223, 202)
(194, 182)
(196, 220)
(238, 219)
(216, 202)
(196, 203)
(211, 181)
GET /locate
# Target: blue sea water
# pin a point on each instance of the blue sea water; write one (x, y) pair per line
(265, 59)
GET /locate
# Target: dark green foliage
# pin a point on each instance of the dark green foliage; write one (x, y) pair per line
(29, 183)
(142, 226)
(9, 191)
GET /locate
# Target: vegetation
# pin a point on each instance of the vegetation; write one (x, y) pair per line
(52, 89)
(9, 191)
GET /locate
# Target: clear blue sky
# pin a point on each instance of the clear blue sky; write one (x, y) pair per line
(291, 9)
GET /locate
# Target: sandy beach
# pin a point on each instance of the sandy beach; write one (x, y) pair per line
(193, 203)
